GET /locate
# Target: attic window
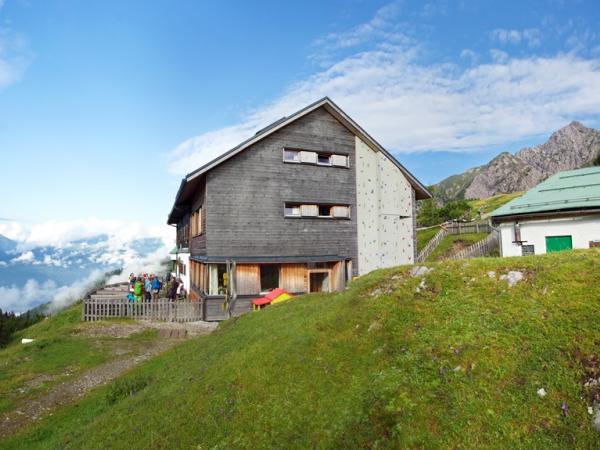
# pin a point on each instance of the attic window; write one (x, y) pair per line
(325, 211)
(292, 211)
(339, 160)
(324, 160)
(291, 155)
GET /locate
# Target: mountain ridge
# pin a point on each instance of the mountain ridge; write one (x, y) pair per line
(570, 147)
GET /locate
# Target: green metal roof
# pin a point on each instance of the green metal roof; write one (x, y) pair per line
(174, 251)
(573, 189)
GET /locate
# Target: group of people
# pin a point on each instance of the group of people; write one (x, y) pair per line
(146, 287)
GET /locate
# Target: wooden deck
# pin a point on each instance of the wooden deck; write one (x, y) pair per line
(109, 302)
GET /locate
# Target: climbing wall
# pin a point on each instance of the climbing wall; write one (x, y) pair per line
(384, 211)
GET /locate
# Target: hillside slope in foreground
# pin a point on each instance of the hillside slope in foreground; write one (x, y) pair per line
(452, 359)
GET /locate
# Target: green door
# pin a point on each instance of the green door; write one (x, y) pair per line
(558, 243)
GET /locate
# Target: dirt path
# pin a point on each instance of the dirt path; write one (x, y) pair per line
(70, 391)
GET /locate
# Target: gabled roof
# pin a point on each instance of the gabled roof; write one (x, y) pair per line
(421, 191)
(571, 190)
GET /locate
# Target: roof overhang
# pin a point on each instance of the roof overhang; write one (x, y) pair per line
(183, 199)
(421, 192)
(540, 215)
(268, 259)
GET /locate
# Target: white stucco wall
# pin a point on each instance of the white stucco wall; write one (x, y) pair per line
(581, 229)
(184, 258)
(384, 211)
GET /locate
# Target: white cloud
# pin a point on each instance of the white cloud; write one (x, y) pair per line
(377, 27)
(469, 55)
(409, 106)
(529, 36)
(20, 299)
(25, 257)
(381, 29)
(59, 242)
(498, 56)
(118, 247)
(59, 239)
(58, 233)
(433, 9)
(64, 296)
(33, 293)
(14, 56)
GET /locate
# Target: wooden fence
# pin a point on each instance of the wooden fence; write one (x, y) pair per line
(481, 248)
(431, 245)
(468, 227)
(99, 308)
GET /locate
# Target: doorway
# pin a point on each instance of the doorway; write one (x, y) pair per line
(269, 276)
(318, 281)
(558, 243)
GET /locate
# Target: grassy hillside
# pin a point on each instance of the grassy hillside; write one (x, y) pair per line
(453, 243)
(63, 348)
(453, 364)
(487, 205)
(424, 236)
(454, 187)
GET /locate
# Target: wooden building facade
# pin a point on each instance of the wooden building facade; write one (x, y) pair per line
(304, 205)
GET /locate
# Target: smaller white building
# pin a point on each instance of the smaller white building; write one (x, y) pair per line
(558, 214)
(180, 260)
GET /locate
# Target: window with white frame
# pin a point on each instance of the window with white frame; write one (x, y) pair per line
(299, 156)
(325, 211)
(323, 160)
(291, 155)
(292, 210)
(196, 222)
(322, 211)
(339, 160)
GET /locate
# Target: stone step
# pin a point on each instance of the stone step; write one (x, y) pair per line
(107, 297)
(110, 293)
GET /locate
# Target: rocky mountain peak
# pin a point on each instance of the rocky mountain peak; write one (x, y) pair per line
(570, 147)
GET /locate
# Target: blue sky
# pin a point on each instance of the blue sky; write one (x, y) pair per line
(105, 105)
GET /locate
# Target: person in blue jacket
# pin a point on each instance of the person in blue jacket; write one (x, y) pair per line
(147, 288)
(155, 287)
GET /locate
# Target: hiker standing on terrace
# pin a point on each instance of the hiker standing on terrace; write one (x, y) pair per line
(131, 282)
(180, 288)
(138, 290)
(155, 287)
(173, 290)
(147, 288)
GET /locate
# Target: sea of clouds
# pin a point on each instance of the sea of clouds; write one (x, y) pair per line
(57, 262)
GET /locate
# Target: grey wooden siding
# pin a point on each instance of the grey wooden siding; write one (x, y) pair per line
(245, 196)
(212, 307)
(183, 230)
(198, 243)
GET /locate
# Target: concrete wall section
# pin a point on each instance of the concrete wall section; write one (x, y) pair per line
(385, 209)
(534, 232)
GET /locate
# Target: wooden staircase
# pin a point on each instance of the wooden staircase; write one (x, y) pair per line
(111, 291)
